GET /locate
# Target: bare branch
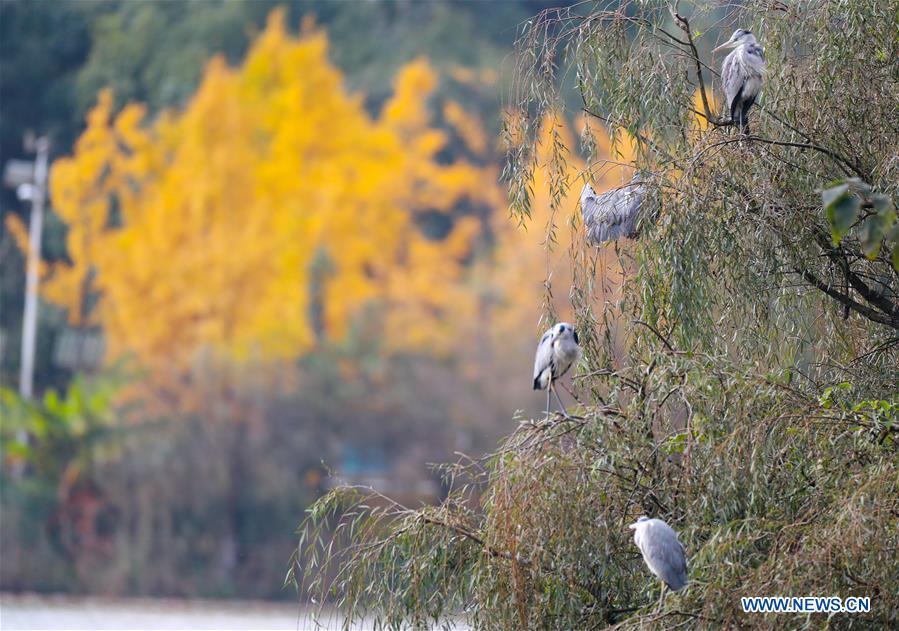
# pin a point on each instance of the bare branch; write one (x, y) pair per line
(868, 312)
(684, 25)
(840, 160)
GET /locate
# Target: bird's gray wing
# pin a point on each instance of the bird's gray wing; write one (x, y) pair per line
(731, 79)
(667, 558)
(543, 360)
(631, 211)
(613, 214)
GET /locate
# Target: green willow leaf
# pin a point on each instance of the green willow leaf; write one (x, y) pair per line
(885, 208)
(837, 190)
(875, 228)
(871, 236)
(841, 214)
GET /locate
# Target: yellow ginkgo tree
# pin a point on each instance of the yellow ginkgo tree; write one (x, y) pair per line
(201, 228)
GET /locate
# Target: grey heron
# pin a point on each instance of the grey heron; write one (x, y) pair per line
(741, 75)
(613, 214)
(558, 349)
(662, 552)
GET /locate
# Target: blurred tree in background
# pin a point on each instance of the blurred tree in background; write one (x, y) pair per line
(201, 231)
(57, 57)
(297, 246)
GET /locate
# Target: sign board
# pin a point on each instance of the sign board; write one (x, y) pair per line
(18, 172)
(78, 349)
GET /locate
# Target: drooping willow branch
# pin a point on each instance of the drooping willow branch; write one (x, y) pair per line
(881, 302)
(881, 310)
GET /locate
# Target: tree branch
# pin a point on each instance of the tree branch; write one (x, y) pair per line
(840, 160)
(657, 334)
(868, 312)
(873, 297)
(684, 25)
(649, 143)
(503, 554)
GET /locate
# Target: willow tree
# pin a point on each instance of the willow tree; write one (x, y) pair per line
(748, 395)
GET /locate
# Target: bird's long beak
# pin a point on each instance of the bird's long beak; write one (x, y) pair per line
(727, 44)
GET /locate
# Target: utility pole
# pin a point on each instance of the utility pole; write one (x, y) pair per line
(35, 228)
(30, 182)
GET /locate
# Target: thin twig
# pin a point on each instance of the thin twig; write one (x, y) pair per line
(659, 335)
(684, 25)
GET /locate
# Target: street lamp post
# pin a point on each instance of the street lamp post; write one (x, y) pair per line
(30, 182)
(36, 224)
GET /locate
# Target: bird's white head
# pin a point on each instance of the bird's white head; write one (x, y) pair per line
(564, 330)
(637, 523)
(587, 192)
(740, 37)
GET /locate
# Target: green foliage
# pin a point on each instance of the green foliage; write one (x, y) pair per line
(58, 430)
(841, 208)
(844, 199)
(773, 491)
(52, 449)
(875, 417)
(726, 199)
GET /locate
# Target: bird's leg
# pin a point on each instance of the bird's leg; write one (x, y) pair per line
(549, 387)
(661, 599)
(559, 400)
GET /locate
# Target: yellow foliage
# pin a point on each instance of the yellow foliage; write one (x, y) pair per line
(275, 211)
(406, 110)
(19, 233)
(462, 74)
(701, 122)
(223, 208)
(469, 76)
(467, 126)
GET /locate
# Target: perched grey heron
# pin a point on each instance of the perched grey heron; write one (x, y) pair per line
(662, 552)
(613, 214)
(557, 350)
(741, 75)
